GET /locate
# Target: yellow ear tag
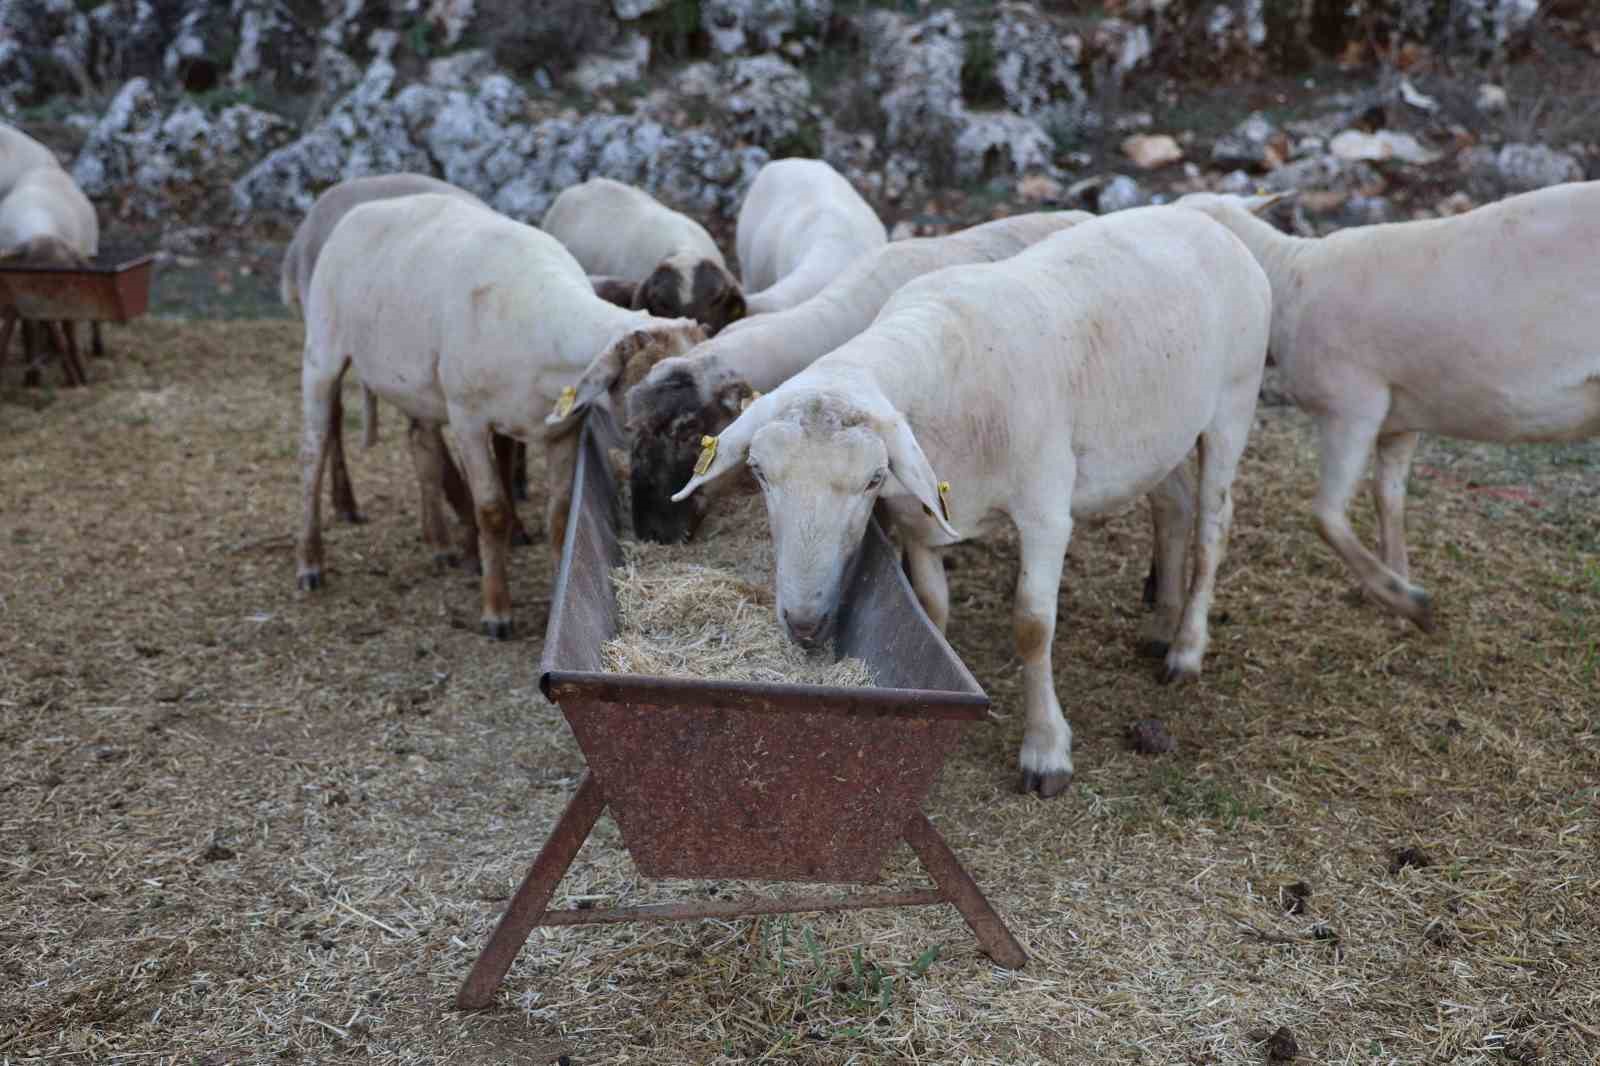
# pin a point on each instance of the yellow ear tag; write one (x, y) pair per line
(569, 396)
(744, 405)
(708, 453)
(1261, 190)
(944, 499)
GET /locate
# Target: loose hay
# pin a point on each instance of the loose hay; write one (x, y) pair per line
(705, 609)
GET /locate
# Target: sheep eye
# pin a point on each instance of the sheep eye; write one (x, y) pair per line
(877, 480)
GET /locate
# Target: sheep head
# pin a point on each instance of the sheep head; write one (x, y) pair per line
(822, 456)
(687, 286)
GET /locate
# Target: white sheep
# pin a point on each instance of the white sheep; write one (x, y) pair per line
(618, 231)
(19, 154)
(294, 282)
(685, 398)
(801, 225)
(1058, 385)
(458, 315)
(46, 219)
(1484, 326)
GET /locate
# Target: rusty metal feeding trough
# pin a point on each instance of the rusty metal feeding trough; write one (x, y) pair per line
(723, 779)
(114, 288)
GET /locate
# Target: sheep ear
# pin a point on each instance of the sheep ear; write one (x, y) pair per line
(725, 452)
(593, 387)
(1264, 202)
(910, 466)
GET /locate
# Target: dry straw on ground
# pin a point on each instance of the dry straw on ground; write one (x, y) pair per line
(240, 824)
(705, 609)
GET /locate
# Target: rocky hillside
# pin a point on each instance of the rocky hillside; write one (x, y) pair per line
(183, 111)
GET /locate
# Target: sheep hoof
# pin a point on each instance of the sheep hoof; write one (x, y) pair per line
(1153, 648)
(519, 492)
(519, 536)
(1173, 674)
(446, 560)
(1424, 611)
(310, 581)
(353, 517)
(497, 629)
(1048, 785)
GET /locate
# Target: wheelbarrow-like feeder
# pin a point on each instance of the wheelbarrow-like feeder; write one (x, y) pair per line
(110, 290)
(722, 779)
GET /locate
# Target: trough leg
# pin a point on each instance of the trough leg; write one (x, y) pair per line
(532, 899)
(30, 353)
(958, 887)
(67, 351)
(6, 329)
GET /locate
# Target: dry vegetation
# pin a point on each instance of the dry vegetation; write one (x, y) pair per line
(705, 609)
(241, 824)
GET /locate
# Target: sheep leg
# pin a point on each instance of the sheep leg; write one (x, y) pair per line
(317, 390)
(97, 344)
(1345, 445)
(505, 457)
(344, 497)
(1172, 516)
(561, 463)
(1046, 757)
(1392, 468)
(427, 455)
(1220, 448)
(494, 521)
(460, 500)
(519, 472)
(929, 581)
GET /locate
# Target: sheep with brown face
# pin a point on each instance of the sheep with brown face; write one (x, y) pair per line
(619, 232)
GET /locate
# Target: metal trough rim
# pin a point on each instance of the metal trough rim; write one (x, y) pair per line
(115, 268)
(599, 431)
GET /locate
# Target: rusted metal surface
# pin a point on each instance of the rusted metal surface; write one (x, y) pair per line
(112, 293)
(745, 780)
(533, 895)
(678, 912)
(960, 889)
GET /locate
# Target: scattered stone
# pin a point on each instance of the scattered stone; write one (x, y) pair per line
(1039, 189)
(1292, 898)
(1518, 168)
(1457, 203)
(1036, 61)
(1401, 858)
(1416, 97)
(1282, 1046)
(621, 65)
(1255, 144)
(1148, 152)
(1492, 99)
(761, 25)
(1353, 145)
(1119, 194)
(627, 10)
(762, 99)
(1148, 736)
(994, 143)
(917, 71)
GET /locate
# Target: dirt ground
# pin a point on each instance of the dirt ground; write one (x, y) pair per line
(239, 823)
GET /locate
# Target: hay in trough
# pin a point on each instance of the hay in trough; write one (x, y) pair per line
(706, 609)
